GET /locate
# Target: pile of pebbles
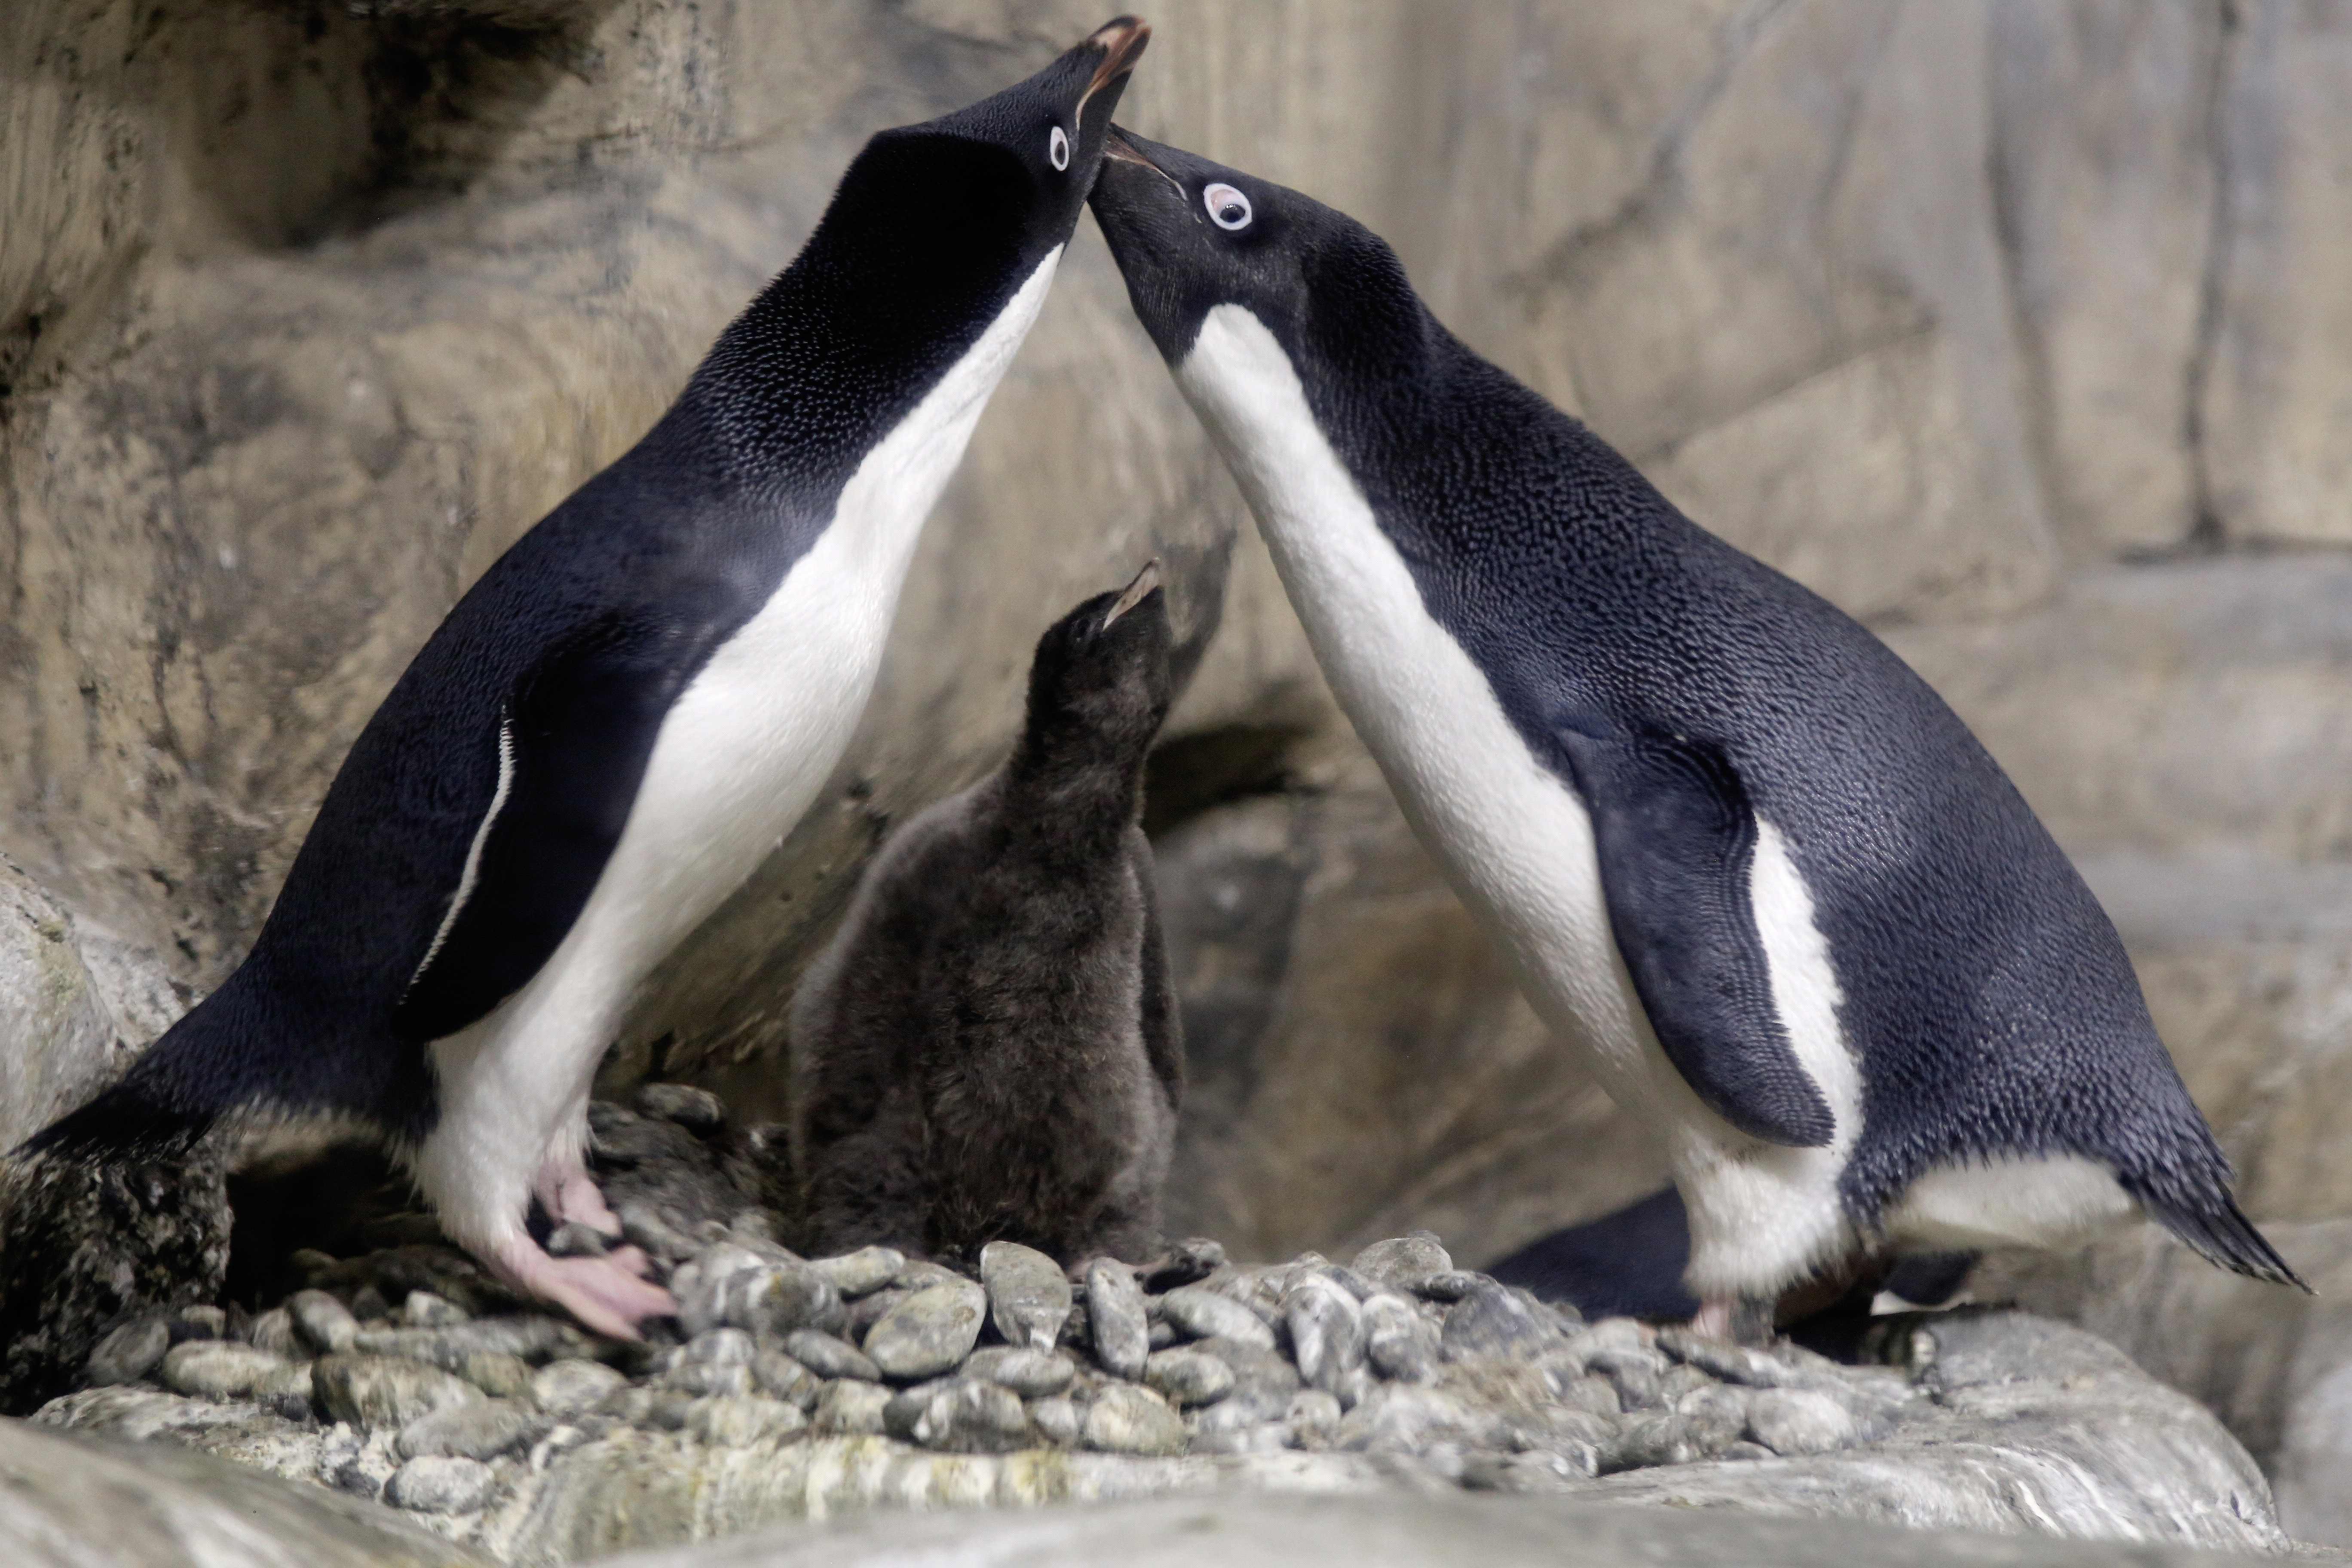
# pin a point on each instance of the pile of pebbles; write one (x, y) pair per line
(406, 1375)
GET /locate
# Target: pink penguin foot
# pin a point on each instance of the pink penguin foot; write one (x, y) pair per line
(608, 1294)
(575, 1199)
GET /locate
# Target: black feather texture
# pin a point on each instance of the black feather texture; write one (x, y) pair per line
(1985, 995)
(1676, 840)
(988, 1049)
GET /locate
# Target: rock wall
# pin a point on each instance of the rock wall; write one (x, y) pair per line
(2018, 327)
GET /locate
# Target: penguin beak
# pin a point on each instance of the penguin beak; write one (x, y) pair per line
(1121, 41)
(1120, 146)
(1147, 582)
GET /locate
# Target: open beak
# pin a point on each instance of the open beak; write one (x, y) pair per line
(1146, 583)
(1121, 41)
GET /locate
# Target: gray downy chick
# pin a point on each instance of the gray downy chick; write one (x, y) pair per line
(988, 1049)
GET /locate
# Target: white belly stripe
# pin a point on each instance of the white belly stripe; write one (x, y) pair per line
(739, 757)
(1513, 837)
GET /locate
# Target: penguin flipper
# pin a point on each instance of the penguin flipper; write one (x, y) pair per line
(1677, 838)
(574, 736)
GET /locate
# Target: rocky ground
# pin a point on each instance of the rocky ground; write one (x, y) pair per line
(793, 1387)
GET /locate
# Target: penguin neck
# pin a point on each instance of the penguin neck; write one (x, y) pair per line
(1304, 458)
(805, 392)
(1079, 789)
(1242, 382)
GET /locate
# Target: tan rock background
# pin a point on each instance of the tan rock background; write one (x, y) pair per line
(2021, 328)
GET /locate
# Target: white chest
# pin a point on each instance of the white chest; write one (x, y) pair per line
(743, 751)
(1513, 837)
(746, 746)
(739, 758)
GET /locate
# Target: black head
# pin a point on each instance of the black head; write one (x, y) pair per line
(927, 241)
(999, 181)
(1190, 235)
(1101, 686)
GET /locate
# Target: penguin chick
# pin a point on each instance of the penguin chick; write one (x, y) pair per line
(988, 1049)
(633, 705)
(1749, 863)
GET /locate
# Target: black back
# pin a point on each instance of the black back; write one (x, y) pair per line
(1985, 992)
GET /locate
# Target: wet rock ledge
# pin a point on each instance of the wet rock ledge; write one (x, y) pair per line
(799, 1388)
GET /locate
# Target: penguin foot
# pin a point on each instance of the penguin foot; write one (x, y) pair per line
(608, 1294)
(574, 1198)
(1742, 1319)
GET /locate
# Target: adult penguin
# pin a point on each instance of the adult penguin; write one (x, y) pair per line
(633, 704)
(1744, 857)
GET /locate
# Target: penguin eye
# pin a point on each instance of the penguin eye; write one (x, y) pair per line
(1057, 148)
(1228, 208)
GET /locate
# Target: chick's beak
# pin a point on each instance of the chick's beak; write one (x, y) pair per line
(1145, 582)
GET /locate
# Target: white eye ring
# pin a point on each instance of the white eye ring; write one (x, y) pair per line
(1228, 208)
(1057, 148)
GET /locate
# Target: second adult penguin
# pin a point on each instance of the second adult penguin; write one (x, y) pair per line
(1796, 915)
(988, 1049)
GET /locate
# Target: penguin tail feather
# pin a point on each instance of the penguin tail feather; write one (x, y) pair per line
(163, 1107)
(2223, 1235)
(129, 1119)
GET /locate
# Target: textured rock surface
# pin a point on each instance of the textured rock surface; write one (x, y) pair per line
(930, 1331)
(69, 1502)
(440, 1484)
(2079, 1428)
(1300, 1376)
(1117, 1324)
(2269, 1362)
(48, 1000)
(85, 1247)
(1396, 1533)
(1028, 1299)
